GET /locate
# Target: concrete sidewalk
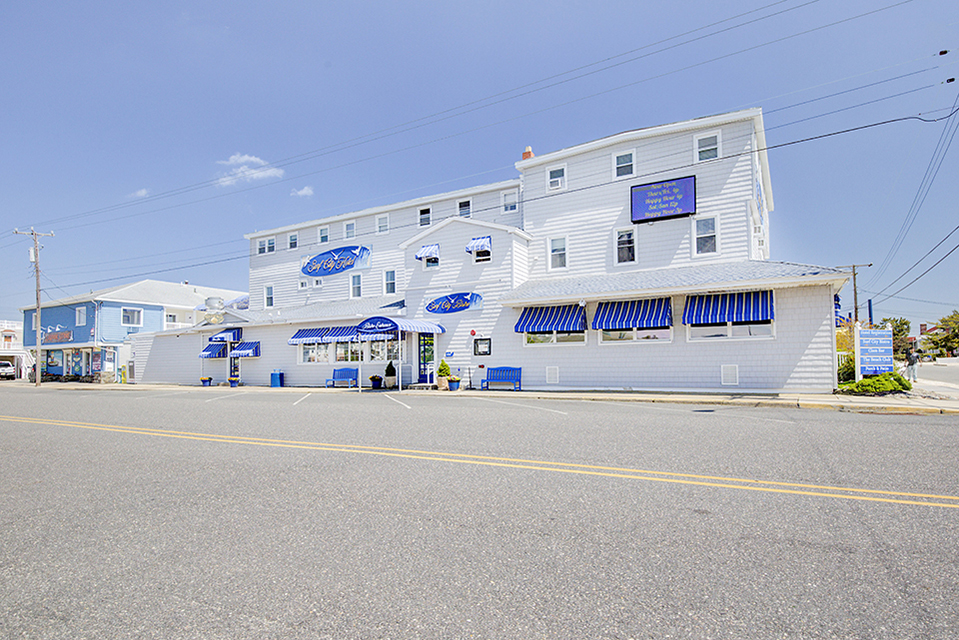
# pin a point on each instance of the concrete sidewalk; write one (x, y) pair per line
(927, 397)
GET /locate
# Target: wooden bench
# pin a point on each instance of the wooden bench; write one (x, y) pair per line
(351, 376)
(506, 375)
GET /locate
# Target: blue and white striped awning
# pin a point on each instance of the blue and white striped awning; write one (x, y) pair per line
(749, 306)
(382, 324)
(246, 350)
(214, 350)
(228, 335)
(428, 251)
(308, 336)
(480, 244)
(629, 314)
(570, 317)
(339, 334)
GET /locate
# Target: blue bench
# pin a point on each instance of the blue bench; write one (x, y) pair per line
(506, 375)
(351, 376)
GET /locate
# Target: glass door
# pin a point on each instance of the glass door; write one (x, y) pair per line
(426, 357)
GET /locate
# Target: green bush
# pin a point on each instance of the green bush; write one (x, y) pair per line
(847, 370)
(390, 371)
(444, 370)
(885, 383)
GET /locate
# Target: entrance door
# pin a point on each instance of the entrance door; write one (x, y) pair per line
(426, 357)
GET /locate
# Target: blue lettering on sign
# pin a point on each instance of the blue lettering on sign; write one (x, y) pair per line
(337, 261)
(455, 302)
(660, 200)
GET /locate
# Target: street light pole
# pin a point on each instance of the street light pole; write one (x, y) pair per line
(855, 290)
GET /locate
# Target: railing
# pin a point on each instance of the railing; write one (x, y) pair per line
(177, 325)
(11, 346)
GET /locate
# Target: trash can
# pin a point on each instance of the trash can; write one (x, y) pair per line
(276, 379)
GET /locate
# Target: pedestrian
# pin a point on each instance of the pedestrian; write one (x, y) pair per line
(912, 363)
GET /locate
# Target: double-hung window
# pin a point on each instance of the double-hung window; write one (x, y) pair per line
(268, 296)
(557, 253)
(356, 285)
(556, 178)
(510, 199)
(389, 282)
(266, 245)
(707, 146)
(426, 217)
(625, 246)
(349, 230)
(464, 207)
(623, 164)
(323, 235)
(81, 317)
(292, 241)
(383, 223)
(705, 229)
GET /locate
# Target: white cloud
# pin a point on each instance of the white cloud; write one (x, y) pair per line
(247, 168)
(141, 193)
(305, 192)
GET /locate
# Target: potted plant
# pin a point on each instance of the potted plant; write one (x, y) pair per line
(376, 381)
(206, 381)
(442, 376)
(234, 381)
(454, 383)
(389, 376)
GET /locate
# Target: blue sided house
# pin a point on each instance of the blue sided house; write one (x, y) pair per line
(87, 335)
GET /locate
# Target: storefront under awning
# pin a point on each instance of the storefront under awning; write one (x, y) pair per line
(570, 317)
(633, 314)
(214, 350)
(308, 336)
(747, 306)
(246, 350)
(382, 324)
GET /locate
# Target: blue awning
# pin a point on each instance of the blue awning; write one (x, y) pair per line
(340, 334)
(749, 306)
(382, 324)
(228, 335)
(428, 251)
(308, 336)
(570, 317)
(480, 244)
(629, 314)
(246, 350)
(214, 350)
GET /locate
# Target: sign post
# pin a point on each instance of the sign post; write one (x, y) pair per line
(873, 351)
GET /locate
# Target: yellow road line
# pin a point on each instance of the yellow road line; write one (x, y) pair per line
(873, 495)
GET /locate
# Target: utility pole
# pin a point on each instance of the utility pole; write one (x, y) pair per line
(855, 291)
(36, 271)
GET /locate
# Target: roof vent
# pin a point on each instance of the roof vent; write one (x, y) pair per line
(528, 153)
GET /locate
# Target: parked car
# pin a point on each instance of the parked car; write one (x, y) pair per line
(7, 370)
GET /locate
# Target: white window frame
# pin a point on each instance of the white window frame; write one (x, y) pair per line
(429, 216)
(549, 253)
(694, 235)
(563, 181)
(304, 347)
(139, 315)
(167, 318)
(265, 246)
(632, 164)
(554, 339)
(431, 266)
(380, 219)
(730, 332)
(304, 284)
(702, 136)
(33, 321)
(320, 232)
(486, 257)
(616, 261)
(292, 241)
(349, 230)
(636, 337)
(80, 316)
(386, 281)
(269, 296)
(469, 208)
(356, 280)
(505, 199)
(317, 283)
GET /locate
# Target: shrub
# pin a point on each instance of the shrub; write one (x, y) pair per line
(444, 370)
(847, 370)
(390, 370)
(885, 383)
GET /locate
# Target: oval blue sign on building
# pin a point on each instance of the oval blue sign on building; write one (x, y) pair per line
(337, 261)
(455, 302)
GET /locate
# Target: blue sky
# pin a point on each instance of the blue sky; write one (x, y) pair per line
(132, 130)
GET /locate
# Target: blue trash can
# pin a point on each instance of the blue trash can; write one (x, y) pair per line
(276, 379)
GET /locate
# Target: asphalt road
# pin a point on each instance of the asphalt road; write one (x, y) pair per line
(237, 513)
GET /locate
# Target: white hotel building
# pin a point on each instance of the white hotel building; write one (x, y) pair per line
(638, 261)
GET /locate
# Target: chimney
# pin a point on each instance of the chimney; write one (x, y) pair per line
(528, 153)
(922, 328)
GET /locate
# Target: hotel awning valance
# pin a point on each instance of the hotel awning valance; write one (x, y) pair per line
(428, 251)
(214, 350)
(246, 350)
(339, 334)
(308, 336)
(570, 317)
(749, 306)
(629, 314)
(228, 335)
(382, 324)
(480, 244)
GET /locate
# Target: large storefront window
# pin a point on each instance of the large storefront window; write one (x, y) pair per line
(383, 350)
(556, 337)
(348, 351)
(315, 353)
(749, 314)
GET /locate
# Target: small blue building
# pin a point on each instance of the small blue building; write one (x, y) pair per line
(85, 335)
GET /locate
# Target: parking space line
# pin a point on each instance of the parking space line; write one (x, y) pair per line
(302, 399)
(397, 401)
(232, 395)
(525, 406)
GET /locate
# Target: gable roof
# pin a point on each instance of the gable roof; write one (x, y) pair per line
(154, 292)
(481, 225)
